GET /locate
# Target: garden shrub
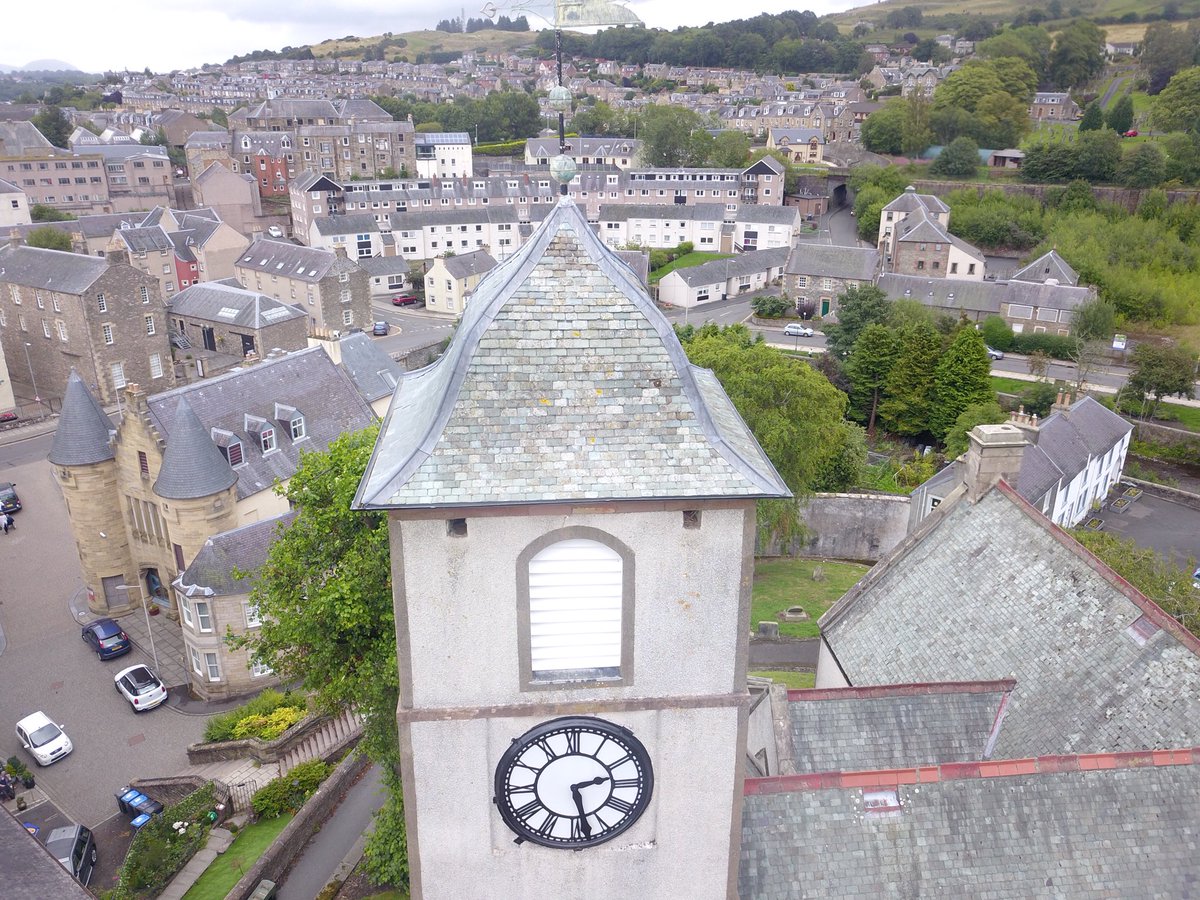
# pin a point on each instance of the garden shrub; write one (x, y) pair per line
(270, 726)
(164, 845)
(1057, 346)
(223, 727)
(288, 792)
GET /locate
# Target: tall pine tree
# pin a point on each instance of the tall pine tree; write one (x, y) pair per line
(908, 403)
(962, 378)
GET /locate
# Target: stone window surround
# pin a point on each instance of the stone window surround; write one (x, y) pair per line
(584, 532)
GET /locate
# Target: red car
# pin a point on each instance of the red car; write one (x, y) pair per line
(405, 300)
(1132, 132)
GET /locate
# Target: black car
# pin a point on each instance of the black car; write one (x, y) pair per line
(9, 501)
(106, 638)
(75, 848)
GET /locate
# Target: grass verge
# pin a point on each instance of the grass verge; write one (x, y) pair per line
(793, 681)
(812, 584)
(228, 868)
(696, 258)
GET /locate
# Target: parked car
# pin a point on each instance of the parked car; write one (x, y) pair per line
(275, 231)
(106, 638)
(9, 501)
(74, 846)
(141, 687)
(1132, 132)
(994, 354)
(795, 329)
(405, 300)
(380, 328)
(45, 741)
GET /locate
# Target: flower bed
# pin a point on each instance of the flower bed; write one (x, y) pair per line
(266, 717)
(164, 845)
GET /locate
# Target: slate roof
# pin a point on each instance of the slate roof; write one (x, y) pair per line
(911, 201)
(50, 270)
(983, 296)
(306, 380)
(768, 215)
(922, 227)
(288, 260)
(825, 260)
(374, 373)
(21, 138)
(142, 240)
(563, 381)
(849, 729)
(1110, 825)
(384, 265)
(693, 212)
(239, 549)
(192, 466)
(994, 590)
(583, 146)
(1064, 443)
(425, 218)
(215, 302)
(84, 429)
(718, 271)
(349, 224)
(27, 869)
(464, 265)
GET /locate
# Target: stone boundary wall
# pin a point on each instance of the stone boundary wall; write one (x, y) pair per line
(1187, 498)
(861, 527)
(275, 859)
(263, 751)
(1163, 434)
(1126, 197)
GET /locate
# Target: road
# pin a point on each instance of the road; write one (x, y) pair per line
(44, 664)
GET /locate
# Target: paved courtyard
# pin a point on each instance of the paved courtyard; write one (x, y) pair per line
(1170, 527)
(44, 665)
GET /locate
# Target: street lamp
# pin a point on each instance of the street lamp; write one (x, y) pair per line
(36, 396)
(146, 610)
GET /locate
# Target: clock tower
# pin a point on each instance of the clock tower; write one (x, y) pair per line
(572, 518)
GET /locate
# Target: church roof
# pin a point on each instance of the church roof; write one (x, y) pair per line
(563, 382)
(994, 590)
(84, 429)
(192, 465)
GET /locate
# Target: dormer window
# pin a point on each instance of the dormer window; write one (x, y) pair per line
(230, 446)
(263, 431)
(291, 420)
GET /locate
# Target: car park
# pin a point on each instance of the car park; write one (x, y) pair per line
(380, 328)
(45, 740)
(9, 501)
(141, 687)
(994, 354)
(795, 329)
(106, 638)
(74, 846)
(405, 300)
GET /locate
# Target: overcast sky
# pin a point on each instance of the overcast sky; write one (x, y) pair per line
(180, 34)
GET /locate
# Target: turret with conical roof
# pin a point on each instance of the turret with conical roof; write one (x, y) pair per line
(85, 468)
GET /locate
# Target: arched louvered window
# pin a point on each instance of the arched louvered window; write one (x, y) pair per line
(576, 595)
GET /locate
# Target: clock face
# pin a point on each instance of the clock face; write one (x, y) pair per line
(573, 782)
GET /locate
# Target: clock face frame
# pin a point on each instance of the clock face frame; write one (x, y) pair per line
(573, 782)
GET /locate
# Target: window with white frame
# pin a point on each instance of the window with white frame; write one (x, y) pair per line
(118, 375)
(101, 303)
(45, 328)
(54, 302)
(144, 293)
(576, 593)
(253, 619)
(212, 666)
(185, 611)
(156, 368)
(149, 325)
(62, 329)
(195, 658)
(267, 438)
(347, 317)
(107, 331)
(204, 621)
(297, 428)
(259, 670)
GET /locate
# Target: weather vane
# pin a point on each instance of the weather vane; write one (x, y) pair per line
(569, 14)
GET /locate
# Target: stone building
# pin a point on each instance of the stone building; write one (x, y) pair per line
(95, 315)
(451, 279)
(145, 496)
(333, 291)
(224, 317)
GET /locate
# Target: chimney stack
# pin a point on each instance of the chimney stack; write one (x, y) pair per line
(1062, 403)
(995, 453)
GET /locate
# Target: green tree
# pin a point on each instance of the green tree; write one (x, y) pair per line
(917, 132)
(883, 131)
(1095, 320)
(868, 367)
(219, 117)
(729, 150)
(962, 378)
(793, 411)
(324, 594)
(49, 239)
(996, 333)
(1093, 117)
(988, 413)
(1177, 107)
(1029, 42)
(1143, 167)
(1097, 156)
(673, 136)
(908, 403)
(769, 306)
(1166, 50)
(1120, 117)
(857, 307)
(39, 212)
(1078, 54)
(1160, 372)
(54, 125)
(958, 160)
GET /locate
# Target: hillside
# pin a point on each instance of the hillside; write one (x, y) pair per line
(409, 45)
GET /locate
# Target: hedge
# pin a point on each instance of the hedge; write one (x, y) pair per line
(288, 792)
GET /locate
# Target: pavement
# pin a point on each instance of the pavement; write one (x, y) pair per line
(1171, 527)
(785, 654)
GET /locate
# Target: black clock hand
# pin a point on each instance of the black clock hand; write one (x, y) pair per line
(578, 798)
(599, 779)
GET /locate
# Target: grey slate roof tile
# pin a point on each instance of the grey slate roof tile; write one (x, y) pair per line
(993, 590)
(50, 270)
(287, 259)
(192, 466)
(1048, 265)
(84, 429)
(239, 549)
(373, 372)
(721, 270)
(215, 301)
(562, 382)
(855, 263)
(463, 265)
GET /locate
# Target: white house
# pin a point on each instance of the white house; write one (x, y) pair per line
(765, 227)
(444, 154)
(663, 226)
(722, 278)
(14, 206)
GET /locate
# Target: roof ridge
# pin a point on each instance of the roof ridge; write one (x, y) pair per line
(974, 770)
(902, 690)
